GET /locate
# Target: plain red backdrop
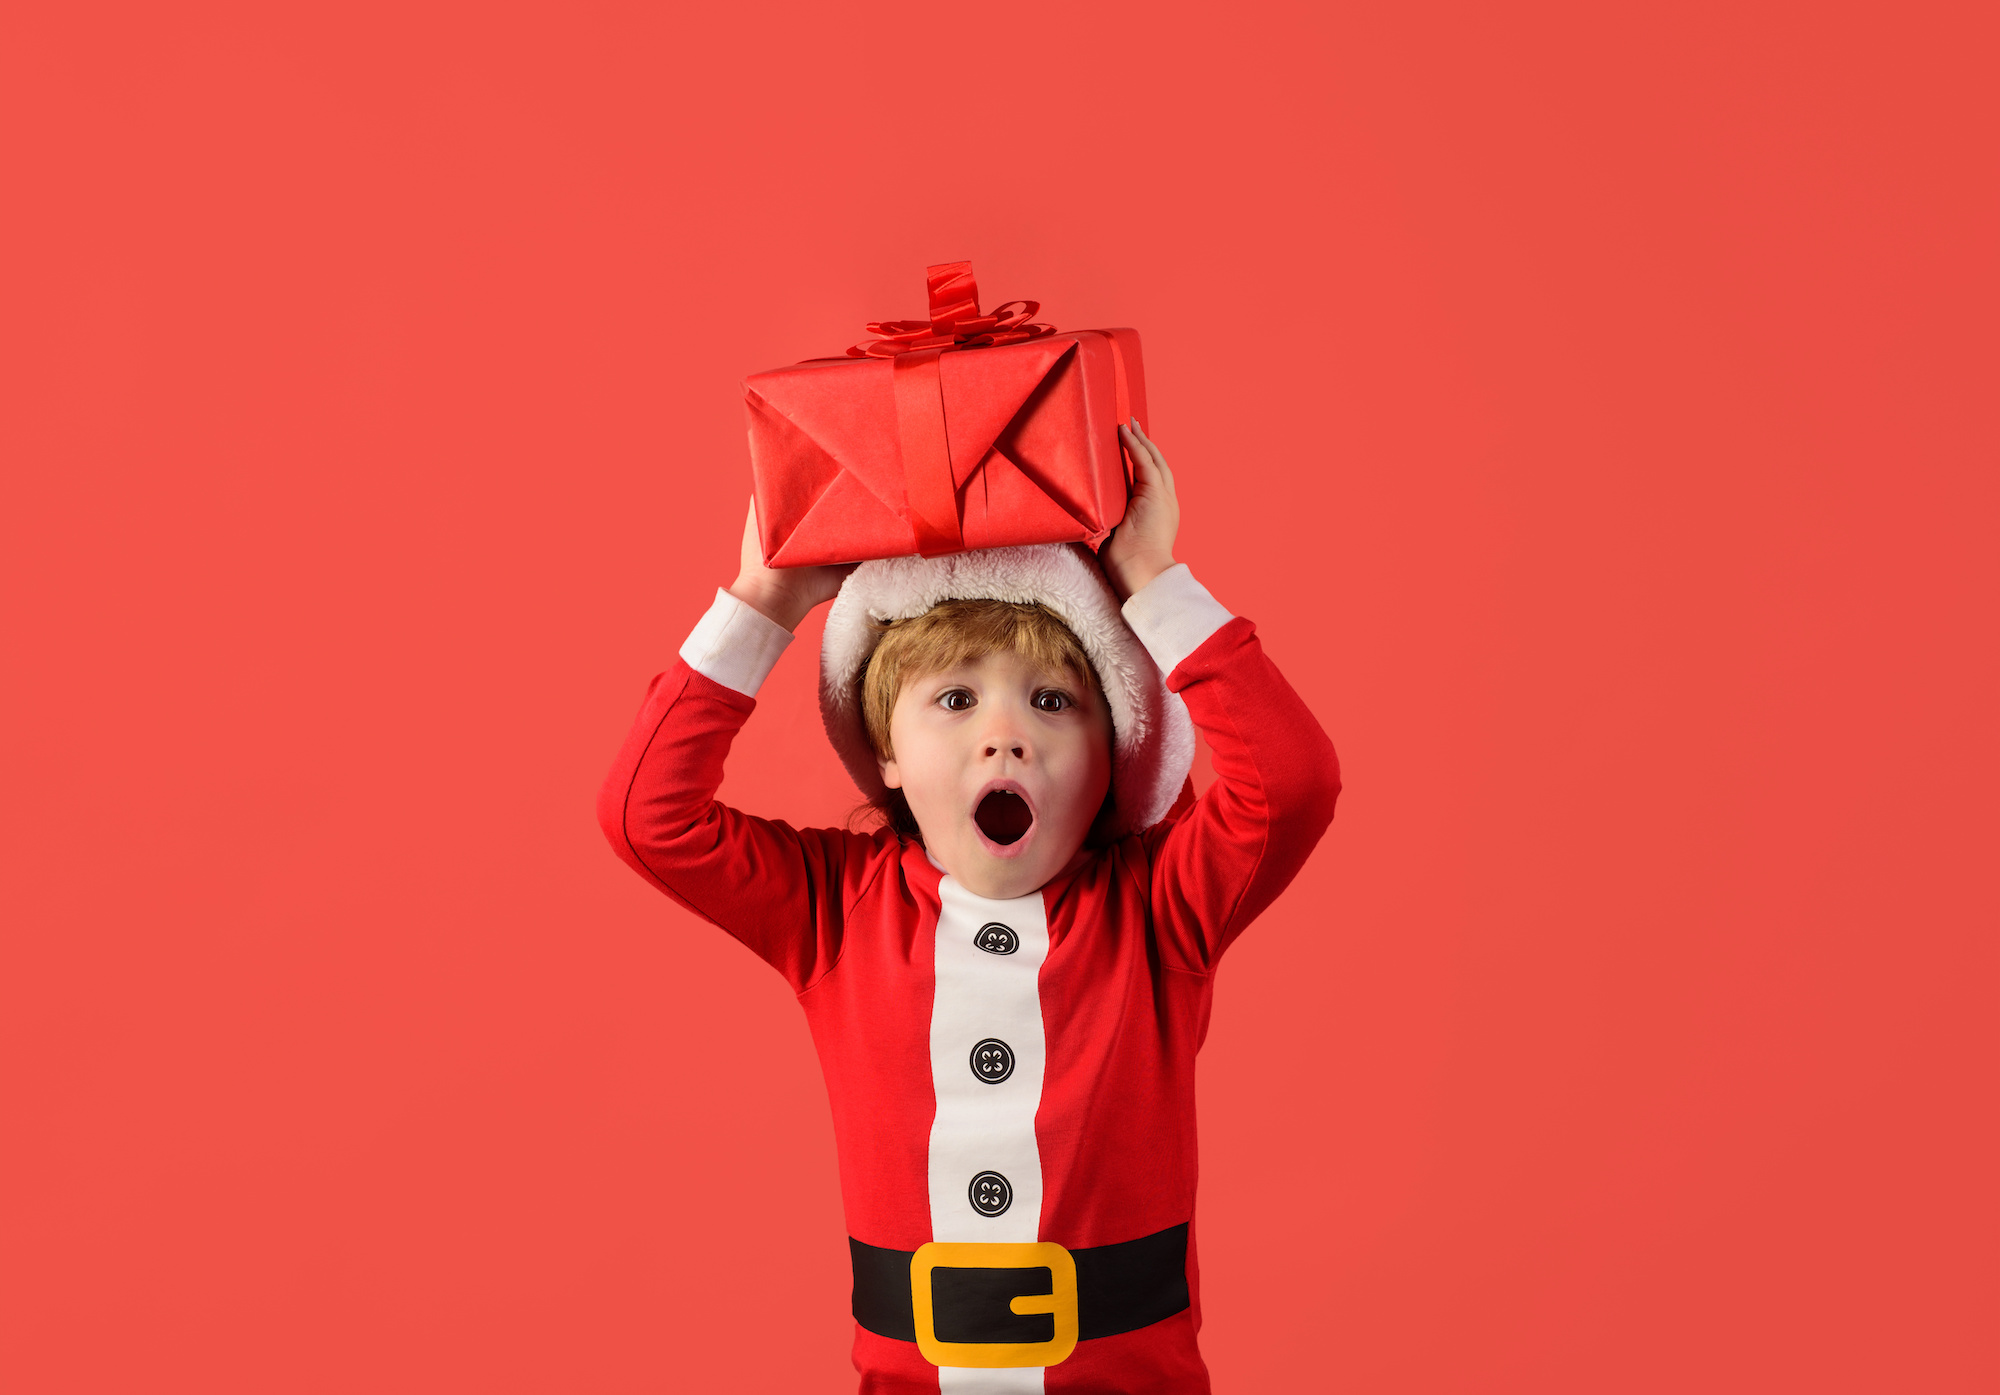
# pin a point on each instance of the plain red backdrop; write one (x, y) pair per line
(1594, 405)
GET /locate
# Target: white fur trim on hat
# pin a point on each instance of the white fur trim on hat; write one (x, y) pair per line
(1152, 736)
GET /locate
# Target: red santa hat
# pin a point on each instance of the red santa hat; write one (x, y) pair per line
(1152, 746)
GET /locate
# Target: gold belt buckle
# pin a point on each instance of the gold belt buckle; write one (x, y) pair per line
(1059, 1301)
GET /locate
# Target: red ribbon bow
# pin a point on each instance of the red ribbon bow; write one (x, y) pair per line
(955, 321)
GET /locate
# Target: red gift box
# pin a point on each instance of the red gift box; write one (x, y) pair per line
(960, 431)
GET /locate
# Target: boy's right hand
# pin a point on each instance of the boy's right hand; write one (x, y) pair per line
(783, 594)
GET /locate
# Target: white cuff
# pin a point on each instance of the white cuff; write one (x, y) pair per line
(735, 645)
(1173, 615)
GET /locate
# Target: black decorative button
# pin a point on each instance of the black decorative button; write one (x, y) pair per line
(992, 1060)
(995, 938)
(990, 1194)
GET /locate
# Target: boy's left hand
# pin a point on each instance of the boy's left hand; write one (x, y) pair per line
(1142, 545)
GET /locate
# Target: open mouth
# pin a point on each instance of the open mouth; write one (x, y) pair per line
(1002, 816)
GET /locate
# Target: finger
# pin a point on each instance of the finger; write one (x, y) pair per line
(832, 578)
(1166, 470)
(1137, 442)
(1155, 461)
(1144, 462)
(1158, 454)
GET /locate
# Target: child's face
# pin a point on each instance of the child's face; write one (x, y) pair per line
(1005, 765)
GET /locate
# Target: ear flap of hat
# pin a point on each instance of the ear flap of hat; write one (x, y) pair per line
(1152, 735)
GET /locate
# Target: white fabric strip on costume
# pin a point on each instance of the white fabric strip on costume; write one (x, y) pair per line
(983, 1127)
(1173, 615)
(735, 645)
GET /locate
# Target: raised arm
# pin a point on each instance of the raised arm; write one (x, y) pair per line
(778, 889)
(1214, 869)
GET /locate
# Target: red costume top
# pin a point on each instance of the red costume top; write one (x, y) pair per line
(1003, 1071)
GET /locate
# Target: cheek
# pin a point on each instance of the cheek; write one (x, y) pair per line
(924, 757)
(1101, 735)
(1086, 755)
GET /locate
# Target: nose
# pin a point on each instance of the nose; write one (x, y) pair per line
(1003, 736)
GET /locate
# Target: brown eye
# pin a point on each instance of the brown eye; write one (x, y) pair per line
(956, 700)
(1049, 700)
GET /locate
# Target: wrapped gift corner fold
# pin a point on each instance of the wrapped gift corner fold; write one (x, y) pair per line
(963, 431)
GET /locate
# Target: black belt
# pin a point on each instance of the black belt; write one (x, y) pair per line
(1118, 1288)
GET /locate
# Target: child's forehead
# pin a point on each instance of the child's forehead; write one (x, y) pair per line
(993, 663)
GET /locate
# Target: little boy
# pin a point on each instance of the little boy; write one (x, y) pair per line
(1008, 982)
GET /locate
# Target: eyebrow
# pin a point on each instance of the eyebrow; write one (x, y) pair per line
(1051, 678)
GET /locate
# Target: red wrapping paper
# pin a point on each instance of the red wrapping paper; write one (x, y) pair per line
(959, 432)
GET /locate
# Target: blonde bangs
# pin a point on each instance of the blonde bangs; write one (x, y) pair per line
(957, 632)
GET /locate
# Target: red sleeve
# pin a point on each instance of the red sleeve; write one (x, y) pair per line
(1219, 864)
(780, 890)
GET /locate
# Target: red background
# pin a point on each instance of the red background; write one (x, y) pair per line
(1594, 405)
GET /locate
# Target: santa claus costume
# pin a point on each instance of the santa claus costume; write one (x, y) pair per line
(1012, 1081)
